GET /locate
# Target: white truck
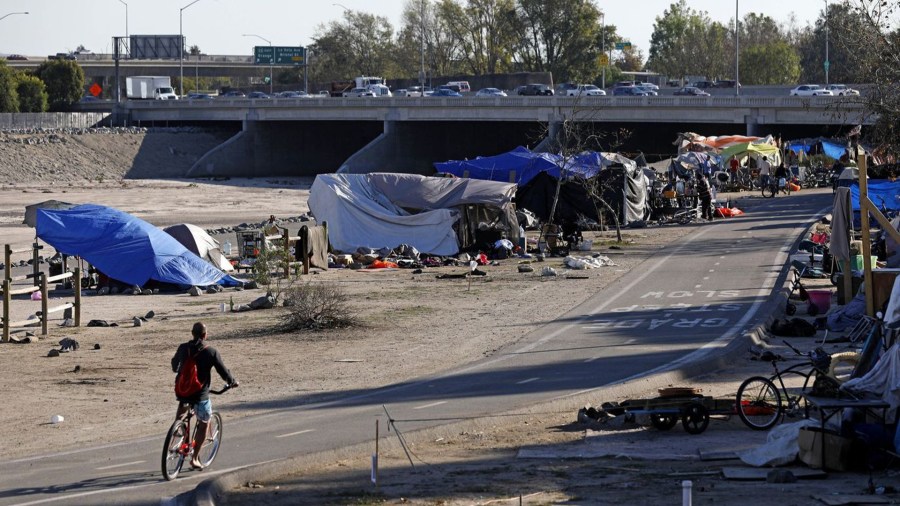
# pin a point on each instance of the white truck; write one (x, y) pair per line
(149, 88)
(587, 90)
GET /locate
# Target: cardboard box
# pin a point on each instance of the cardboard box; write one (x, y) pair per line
(837, 449)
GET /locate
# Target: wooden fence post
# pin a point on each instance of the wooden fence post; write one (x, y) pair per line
(286, 239)
(6, 299)
(76, 283)
(7, 259)
(35, 262)
(44, 306)
(304, 248)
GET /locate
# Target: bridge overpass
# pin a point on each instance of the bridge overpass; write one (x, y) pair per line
(305, 136)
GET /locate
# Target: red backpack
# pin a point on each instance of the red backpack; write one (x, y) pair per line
(187, 383)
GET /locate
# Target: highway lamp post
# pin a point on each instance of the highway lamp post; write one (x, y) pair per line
(827, 63)
(737, 51)
(181, 49)
(126, 18)
(271, 62)
(11, 13)
(603, 48)
(422, 37)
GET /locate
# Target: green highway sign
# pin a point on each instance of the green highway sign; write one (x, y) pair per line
(620, 46)
(278, 55)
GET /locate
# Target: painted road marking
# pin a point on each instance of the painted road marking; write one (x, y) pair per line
(296, 433)
(529, 380)
(433, 404)
(104, 468)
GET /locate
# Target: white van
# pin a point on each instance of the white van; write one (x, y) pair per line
(460, 86)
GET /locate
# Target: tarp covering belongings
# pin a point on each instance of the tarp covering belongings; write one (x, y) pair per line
(124, 247)
(200, 243)
(31, 211)
(687, 164)
(690, 141)
(435, 215)
(520, 166)
(883, 193)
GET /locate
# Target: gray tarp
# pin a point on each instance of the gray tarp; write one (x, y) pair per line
(840, 225)
(385, 210)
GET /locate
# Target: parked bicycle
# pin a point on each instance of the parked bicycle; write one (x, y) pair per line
(179, 444)
(761, 403)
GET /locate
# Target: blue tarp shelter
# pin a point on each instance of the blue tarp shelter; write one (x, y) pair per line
(124, 247)
(831, 148)
(881, 192)
(521, 165)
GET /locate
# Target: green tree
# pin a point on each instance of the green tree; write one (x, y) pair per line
(32, 93)
(485, 31)
(64, 80)
(563, 37)
(9, 97)
(674, 50)
(773, 63)
(421, 22)
(360, 44)
(846, 57)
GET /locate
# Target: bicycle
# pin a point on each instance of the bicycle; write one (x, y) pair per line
(760, 403)
(772, 189)
(179, 446)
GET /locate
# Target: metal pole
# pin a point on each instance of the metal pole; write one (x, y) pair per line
(737, 51)
(126, 17)
(603, 48)
(422, 37)
(181, 49)
(271, 62)
(11, 13)
(827, 63)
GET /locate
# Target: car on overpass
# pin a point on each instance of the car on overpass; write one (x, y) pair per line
(810, 90)
(490, 92)
(535, 89)
(629, 91)
(233, 94)
(445, 92)
(258, 94)
(359, 93)
(691, 91)
(841, 90)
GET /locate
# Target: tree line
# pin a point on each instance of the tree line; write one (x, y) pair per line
(54, 86)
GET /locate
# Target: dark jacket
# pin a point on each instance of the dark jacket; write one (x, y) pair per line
(703, 190)
(206, 357)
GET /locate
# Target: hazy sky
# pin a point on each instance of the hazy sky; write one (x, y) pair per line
(217, 26)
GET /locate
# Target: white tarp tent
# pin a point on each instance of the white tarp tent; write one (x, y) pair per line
(435, 215)
(202, 244)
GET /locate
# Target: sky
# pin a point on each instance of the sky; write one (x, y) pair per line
(220, 26)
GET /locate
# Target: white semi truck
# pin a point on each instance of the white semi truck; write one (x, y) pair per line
(149, 88)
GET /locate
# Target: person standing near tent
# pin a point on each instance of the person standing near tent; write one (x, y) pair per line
(765, 169)
(271, 227)
(733, 166)
(704, 193)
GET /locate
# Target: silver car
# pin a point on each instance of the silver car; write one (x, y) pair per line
(490, 92)
(359, 92)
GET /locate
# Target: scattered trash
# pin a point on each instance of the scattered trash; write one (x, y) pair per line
(548, 272)
(57, 419)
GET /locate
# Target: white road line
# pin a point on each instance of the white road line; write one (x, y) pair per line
(438, 403)
(296, 433)
(529, 380)
(588, 361)
(104, 468)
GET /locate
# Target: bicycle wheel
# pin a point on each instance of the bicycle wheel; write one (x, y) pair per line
(663, 422)
(695, 419)
(213, 440)
(769, 191)
(175, 450)
(758, 403)
(796, 383)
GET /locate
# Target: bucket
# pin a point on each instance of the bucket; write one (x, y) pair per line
(819, 301)
(856, 262)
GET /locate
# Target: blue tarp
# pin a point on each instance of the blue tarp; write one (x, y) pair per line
(881, 193)
(124, 247)
(834, 150)
(521, 165)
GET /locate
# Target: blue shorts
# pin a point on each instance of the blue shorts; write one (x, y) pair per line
(203, 410)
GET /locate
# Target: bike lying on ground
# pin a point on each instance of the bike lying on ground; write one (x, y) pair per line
(761, 404)
(179, 444)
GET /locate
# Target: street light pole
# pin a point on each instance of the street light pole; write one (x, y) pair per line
(737, 51)
(827, 63)
(422, 37)
(181, 49)
(271, 62)
(11, 13)
(603, 48)
(126, 19)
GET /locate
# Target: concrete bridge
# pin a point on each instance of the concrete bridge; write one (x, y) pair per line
(309, 136)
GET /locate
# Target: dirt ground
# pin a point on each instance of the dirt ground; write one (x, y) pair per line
(122, 390)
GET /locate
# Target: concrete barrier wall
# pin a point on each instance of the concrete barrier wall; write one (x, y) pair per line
(21, 120)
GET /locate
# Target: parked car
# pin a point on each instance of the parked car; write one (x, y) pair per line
(358, 93)
(490, 92)
(16, 57)
(650, 91)
(258, 94)
(629, 91)
(841, 90)
(535, 90)
(445, 92)
(726, 83)
(703, 84)
(810, 90)
(588, 90)
(691, 91)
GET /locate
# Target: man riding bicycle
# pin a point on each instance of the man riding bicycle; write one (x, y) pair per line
(206, 357)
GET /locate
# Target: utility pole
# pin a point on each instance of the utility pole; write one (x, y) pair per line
(737, 51)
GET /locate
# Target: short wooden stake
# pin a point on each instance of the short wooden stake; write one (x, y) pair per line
(375, 458)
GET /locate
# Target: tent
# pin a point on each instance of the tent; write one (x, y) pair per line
(687, 164)
(753, 150)
(435, 215)
(520, 166)
(200, 243)
(31, 211)
(124, 247)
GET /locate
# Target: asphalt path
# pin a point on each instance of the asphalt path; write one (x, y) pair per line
(680, 306)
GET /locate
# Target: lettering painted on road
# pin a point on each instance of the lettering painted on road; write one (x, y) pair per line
(655, 323)
(136, 462)
(709, 294)
(678, 315)
(295, 433)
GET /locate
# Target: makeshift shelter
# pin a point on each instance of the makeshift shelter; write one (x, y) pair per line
(744, 150)
(439, 216)
(200, 243)
(31, 211)
(520, 166)
(687, 164)
(124, 247)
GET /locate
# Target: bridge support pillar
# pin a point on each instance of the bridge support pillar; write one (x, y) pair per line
(752, 126)
(550, 143)
(399, 148)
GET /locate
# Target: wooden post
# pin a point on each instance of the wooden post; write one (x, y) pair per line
(6, 299)
(7, 262)
(76, 283)
(35, 264)
(286, 239)
(44, 305)
(304, 248)
(865, 207)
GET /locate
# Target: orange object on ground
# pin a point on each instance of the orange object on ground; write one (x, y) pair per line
(381, 264)
(795, 187)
